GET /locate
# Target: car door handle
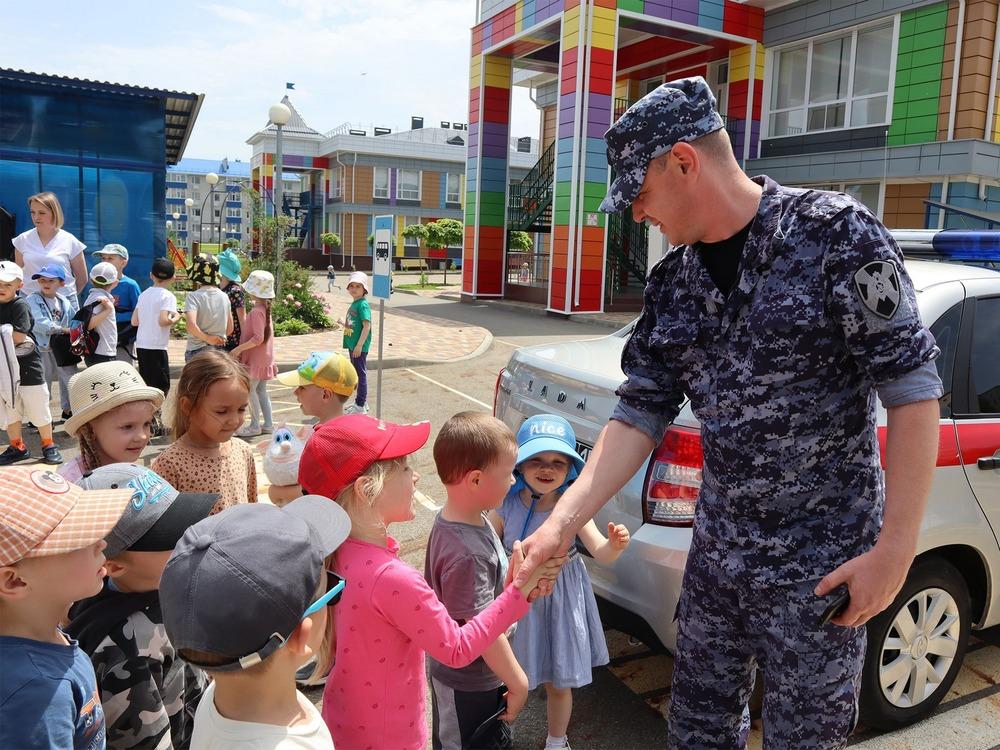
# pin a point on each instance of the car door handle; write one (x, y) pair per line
(988, 464)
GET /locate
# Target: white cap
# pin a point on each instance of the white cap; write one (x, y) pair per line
(360, 277)
(10, 271)
(104, 273)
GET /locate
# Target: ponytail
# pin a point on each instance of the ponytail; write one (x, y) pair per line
(267, 320)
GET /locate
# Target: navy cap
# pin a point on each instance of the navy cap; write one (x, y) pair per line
(676, 111)
(239, 583)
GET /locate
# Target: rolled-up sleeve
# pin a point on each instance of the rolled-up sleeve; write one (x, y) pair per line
(651, 396)
(871, 297)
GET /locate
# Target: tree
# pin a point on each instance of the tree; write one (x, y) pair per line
(520, 241)
(444, 233)
(231, 244)
(415, 230)
(330, 239)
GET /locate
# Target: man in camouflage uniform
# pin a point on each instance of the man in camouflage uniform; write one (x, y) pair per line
(149, 694)
(780, 313)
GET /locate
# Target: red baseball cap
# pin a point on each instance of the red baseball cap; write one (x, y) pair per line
(341, 450)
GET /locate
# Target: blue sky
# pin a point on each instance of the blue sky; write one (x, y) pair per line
(370, 62)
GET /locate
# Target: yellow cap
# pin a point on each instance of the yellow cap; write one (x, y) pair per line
(325, 369)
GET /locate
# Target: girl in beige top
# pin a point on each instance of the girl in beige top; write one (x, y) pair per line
(212, 397)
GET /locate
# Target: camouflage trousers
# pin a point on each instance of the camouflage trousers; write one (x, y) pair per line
(728, 626)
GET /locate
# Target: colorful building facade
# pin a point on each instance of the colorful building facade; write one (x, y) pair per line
(894, 102)
(352, 173)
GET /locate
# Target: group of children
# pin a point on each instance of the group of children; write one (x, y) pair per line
(164, 607)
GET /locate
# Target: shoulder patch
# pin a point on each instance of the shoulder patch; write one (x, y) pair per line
(877, 284)
(823, 205)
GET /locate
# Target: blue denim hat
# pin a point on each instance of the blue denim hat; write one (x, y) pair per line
(676, 111)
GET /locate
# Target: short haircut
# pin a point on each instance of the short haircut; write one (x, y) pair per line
(206, 658)
(51, 202)
(716, 146)
(468, 441)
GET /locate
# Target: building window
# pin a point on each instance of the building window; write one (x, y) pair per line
(454, 183)
(833, 82)
(408, 185)
(410, 241)
(381, 183)
(338, 182)
(233, 212)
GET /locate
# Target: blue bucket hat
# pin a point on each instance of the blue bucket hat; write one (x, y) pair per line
(682, 110)
(230, 266)
(547, 432)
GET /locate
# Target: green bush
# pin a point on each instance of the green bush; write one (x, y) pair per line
(180, 329)
(291, 327)
(294, 281)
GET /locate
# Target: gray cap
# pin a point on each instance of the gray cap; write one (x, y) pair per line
(676, 111)
(156, 517)
(239, 582)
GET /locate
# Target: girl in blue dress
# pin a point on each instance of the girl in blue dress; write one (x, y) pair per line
(561, 638)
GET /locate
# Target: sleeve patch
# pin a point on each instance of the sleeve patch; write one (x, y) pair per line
(877, 284)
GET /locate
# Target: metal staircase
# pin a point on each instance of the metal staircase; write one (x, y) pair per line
(529, 207)
(628, 247)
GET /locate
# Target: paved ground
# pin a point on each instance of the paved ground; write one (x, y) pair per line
(623, 708)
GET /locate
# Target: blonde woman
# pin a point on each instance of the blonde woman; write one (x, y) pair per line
(49, 244)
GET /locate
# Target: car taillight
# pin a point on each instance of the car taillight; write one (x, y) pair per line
(673, 479)
(496, 389)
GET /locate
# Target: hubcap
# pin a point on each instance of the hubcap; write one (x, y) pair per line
(919, 648)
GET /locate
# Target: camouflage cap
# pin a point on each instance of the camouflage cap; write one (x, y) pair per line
(676, 111)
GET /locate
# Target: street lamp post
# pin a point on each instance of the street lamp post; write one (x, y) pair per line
(212, 179)
(279, 114)
(188, 203)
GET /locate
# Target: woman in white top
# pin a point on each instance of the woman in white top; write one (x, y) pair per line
(49, 244)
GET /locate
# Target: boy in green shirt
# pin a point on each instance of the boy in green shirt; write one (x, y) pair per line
(358, 337)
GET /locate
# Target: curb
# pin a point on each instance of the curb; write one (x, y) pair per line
(614, 325)
(388, 363)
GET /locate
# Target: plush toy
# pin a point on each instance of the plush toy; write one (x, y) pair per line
(282, 454)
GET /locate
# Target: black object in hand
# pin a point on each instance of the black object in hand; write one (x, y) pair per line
(837, 606)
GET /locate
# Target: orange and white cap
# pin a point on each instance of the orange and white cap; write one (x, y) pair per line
(42, 514)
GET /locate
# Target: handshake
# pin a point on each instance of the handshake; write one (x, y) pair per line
(539, 582)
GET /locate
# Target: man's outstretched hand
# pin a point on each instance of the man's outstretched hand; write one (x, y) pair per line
(538, 549)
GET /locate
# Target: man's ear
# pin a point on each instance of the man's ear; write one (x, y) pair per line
(12, 585)
(685, 156)
(115, 568)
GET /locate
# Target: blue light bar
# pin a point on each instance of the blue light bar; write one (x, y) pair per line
(952, 244)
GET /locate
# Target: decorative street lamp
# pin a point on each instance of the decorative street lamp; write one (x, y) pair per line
(212, 179)
(279, 114)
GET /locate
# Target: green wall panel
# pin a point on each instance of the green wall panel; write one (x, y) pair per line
(917, 93)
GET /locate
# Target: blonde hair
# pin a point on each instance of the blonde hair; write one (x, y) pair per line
(198, 375)
(468, 441)
(361, 506)
(50, 202)
(325, 653)
(87, 438)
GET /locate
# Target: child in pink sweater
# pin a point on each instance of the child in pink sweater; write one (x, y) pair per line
(389, 616)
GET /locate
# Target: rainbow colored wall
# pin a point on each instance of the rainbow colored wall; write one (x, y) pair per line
(588, 85)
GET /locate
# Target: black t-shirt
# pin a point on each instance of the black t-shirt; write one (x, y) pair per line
(18, 314)
(722, 259)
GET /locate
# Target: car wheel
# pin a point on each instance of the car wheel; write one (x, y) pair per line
(915, 647)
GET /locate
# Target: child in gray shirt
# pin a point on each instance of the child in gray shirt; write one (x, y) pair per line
(466, 566)
(207, 310)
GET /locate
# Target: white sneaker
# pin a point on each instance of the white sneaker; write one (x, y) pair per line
(550, 746)
(247, 431)
(355, 409)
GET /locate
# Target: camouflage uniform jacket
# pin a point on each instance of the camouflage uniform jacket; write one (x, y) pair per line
(782, 376)
(149, 694)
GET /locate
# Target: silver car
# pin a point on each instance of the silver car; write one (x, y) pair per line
(915, 647)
